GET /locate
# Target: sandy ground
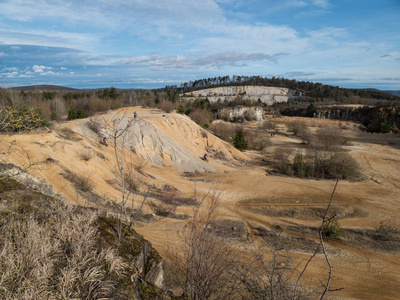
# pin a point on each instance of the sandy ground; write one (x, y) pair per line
(244, 188)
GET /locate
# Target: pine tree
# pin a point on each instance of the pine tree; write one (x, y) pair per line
(239, 141)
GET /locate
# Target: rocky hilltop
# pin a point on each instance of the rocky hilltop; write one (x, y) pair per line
(265, 94)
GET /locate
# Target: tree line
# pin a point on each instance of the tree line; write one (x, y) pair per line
(315, 90)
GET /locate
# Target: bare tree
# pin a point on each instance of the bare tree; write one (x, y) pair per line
(204, 271)
(58, 109)
(321, 244)
(118, 129)
(265, 278)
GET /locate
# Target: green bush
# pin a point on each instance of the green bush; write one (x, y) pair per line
(239, 141)
(181, 110)
(76, 114)
(332, 228)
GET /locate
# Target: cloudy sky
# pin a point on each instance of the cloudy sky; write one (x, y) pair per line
(153, 43)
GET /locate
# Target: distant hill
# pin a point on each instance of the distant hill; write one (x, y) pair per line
(395, 93)
(41, 88)
(313, 90)
(57, 88)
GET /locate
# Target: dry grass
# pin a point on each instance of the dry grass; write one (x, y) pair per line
(85, 155)
(83, 183)
(95, 126)
(162, 209)
(54, 255)
(139, 167)
(69, 134)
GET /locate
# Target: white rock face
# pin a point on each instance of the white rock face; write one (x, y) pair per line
(249, 113)
(268, 95)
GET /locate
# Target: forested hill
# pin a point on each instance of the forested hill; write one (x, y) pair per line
(396, 93)
(47, 88)
(318, 91)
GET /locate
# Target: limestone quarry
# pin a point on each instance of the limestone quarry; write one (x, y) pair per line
(163, 152)
(267, 95)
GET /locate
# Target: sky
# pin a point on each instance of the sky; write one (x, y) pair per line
(154, 43)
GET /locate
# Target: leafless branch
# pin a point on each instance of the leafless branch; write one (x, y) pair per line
(321, 244)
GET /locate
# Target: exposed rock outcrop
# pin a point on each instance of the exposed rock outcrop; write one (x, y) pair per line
(241, 112)
(372, 117)
(265, 94)
(27, 180)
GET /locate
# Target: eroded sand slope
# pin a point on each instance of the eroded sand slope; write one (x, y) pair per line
(168, 147)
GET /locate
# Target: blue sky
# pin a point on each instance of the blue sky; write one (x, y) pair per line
(149, 44)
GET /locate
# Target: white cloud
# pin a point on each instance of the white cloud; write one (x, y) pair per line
(40, 69)
(321, 3)
(217, 60)
(10, 74)
(49, 38)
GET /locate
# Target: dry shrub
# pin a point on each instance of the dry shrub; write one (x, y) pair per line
(162, 209)
(58, 109)
(95, 126)
(139, 167)
(264, 278)
(329, 138)
(223, 130)
(131, 178)
(131, 182)
(83, 183)
(96, 104)
(283, 164)
(203, 117)
(46, 109)
(167, 106)
(257, 140)
(69, 134)
(267, 125)
(299, 128)
(85, 154)
(204, 266)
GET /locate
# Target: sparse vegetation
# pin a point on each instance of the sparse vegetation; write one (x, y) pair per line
(82, 183)
(223, 130)
(257, 140)
(95, 126)
(52, 250)
(332, 227)
(321, 155)
(322, 158)
(299, 128)
(202, 117)
(162, 209)
(85, 154)
(167, 106)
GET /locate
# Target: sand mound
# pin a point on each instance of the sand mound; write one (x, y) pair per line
(169, 140)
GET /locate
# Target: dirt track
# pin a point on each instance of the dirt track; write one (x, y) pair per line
(246, 190)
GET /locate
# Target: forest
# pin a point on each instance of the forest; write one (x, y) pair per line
(47, 103)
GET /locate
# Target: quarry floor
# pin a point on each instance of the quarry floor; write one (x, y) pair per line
(250, 194)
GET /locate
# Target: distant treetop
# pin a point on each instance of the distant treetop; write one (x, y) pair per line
(310, 89)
